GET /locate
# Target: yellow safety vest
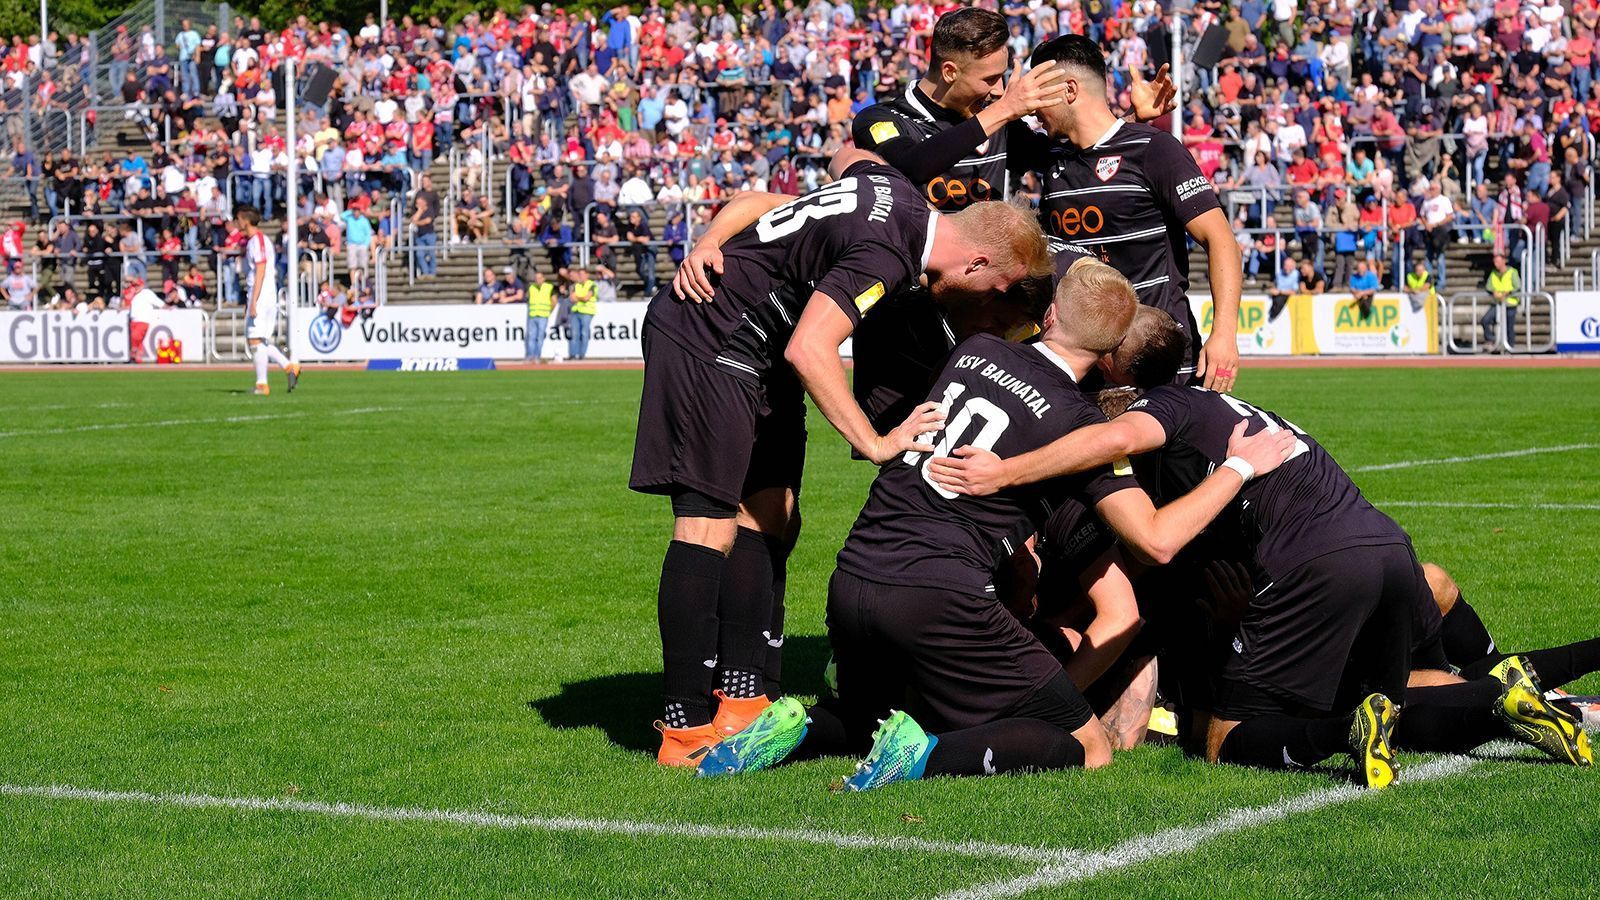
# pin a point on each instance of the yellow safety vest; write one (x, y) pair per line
(1502, 283)
(1415, 282)
(540, 300)
(583, 298)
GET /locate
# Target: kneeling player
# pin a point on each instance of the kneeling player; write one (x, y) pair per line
(911, 607)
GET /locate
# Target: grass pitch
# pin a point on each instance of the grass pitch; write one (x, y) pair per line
(434, 591)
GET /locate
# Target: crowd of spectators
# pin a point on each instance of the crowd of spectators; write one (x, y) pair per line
(1383, 131)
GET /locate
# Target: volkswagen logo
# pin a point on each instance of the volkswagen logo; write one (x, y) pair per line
(325, 334)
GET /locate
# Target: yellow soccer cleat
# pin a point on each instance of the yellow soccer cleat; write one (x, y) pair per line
(1534, 720)
(1370, 732)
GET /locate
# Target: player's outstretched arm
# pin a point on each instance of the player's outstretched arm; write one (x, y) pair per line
(1116, 619)
(1156, 535)
(978, 472)
(692, 282)
(813, 351)
(1219, 358)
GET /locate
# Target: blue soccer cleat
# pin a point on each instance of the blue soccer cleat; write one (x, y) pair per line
(764, 743)
(900, 750)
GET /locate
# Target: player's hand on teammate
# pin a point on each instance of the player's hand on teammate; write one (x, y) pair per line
(1219, 362)
(1265, 450)
(969, 470)
(692, 282)
(1028, 92)
(912, 434)
(1230, 592)
(1154, 98)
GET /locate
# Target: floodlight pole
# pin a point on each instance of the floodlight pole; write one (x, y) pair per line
(1177, 71)
(294, 203)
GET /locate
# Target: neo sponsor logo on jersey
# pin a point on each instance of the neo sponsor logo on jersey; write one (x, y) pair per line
(1073, 221)
(325, 334)
(945, 192)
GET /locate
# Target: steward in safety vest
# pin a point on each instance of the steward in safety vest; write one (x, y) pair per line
(1419, 285)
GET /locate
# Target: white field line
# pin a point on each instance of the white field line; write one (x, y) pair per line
(1447, 460)
(1450, 504)
(1083, 865)
(169, 423)
(568, 824)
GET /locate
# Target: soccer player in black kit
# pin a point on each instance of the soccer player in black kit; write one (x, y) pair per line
(1129, 193)
(1342, 602)
(950, 133)
(911, 606)
(722, 418)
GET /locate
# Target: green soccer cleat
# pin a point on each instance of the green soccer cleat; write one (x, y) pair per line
(1370, 733)
(1534, 720)
(765, 742)
(900, 750)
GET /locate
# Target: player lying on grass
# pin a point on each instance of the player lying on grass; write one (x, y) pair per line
(1342, 594)
(722, 416)
(912, 610)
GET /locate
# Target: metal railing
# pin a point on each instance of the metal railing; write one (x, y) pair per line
(1481, 305)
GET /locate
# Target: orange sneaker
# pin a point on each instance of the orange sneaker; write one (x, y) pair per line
(685, 746)
(261, 390)
(735, 713)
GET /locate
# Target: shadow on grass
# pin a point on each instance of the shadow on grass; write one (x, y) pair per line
(625, 703)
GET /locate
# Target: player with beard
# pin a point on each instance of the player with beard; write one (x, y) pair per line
(951, 133)
(911, 606)
(722, 417)
(1130, 192)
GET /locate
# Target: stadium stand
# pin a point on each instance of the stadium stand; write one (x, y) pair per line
(1432, 131)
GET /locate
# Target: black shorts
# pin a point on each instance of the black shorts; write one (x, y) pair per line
(1336, 627)
(961, 660)
(706, 430)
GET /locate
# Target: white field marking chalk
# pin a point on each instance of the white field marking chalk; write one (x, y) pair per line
(499, 821)
(1083, 865)
(1447, 460)
(168, 423)
(1449, 504)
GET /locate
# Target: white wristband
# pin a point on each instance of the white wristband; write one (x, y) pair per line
(1245, 470)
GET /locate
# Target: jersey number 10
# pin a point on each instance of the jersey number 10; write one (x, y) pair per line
(952, 436)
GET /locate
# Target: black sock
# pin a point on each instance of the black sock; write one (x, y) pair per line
(1004, 746)
(1466, 640)
(744, 606)
(772, 669)
(686, 608)
(1285, 742)
(1450, 718)
(1561, 665)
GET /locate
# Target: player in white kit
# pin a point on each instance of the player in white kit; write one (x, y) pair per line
(261, 309)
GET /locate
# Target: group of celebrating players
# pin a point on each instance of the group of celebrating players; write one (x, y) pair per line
(1072, 515)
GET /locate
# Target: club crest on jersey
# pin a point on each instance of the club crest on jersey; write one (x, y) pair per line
(1107, 166)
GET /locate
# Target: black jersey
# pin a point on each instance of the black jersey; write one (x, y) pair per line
(855, 240)
(1127, 199)
(1306, 508)
(897, 127)
(1009, 398)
